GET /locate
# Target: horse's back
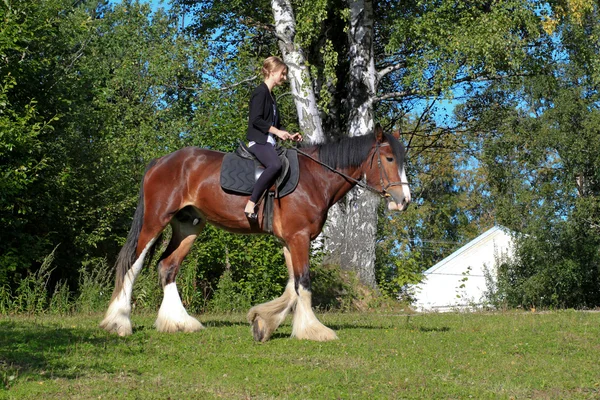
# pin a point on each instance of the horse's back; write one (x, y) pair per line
(181, 166)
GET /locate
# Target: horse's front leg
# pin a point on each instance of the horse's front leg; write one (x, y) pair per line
(305, 324)
(266, 318)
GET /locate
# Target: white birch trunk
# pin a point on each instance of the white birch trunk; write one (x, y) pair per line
(352, 225)
(363, 76)
(298, 74)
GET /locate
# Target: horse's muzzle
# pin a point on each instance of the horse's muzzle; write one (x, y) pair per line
(399, 201)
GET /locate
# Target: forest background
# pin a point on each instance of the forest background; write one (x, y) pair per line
(497, 102)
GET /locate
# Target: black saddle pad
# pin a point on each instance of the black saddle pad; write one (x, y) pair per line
(237, 174)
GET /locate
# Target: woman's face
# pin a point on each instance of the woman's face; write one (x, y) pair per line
(279, 76)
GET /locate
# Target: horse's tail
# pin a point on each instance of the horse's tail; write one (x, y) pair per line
(128, 254)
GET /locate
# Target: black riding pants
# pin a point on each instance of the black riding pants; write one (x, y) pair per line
(266, 154)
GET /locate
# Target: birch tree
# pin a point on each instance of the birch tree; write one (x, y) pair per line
(352, 224)
(298, 75)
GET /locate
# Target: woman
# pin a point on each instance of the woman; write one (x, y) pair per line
(264, 127)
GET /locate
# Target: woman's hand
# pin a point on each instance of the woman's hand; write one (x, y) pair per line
(284, 135)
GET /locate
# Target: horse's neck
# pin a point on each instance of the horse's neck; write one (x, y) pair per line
(338, 185)
(332, 186)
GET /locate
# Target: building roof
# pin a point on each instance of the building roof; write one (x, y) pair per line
(459, 281)
(473, 245)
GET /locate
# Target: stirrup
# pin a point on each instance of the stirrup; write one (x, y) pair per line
(251, 216)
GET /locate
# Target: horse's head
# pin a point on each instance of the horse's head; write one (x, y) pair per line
(386, 170)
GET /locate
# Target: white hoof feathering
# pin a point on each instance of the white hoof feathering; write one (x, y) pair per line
(306, 325)
(116, 319)
(172, 316)
(266, 318)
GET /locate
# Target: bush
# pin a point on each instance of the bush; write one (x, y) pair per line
(554, 267)
(230, 295)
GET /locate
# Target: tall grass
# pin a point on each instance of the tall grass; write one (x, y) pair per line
(95, 287)
(30, 296)
(332, 289)
(61, 302)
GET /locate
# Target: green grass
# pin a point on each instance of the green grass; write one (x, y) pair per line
(518, 355)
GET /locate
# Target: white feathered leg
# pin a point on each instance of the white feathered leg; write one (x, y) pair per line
(266, 318)
(117, 317)
(306, 325)
(172, 316)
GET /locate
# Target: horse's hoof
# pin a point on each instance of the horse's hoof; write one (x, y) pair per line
(259, 330)
(120, 328)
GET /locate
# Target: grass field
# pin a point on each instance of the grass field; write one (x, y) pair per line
(554, 355)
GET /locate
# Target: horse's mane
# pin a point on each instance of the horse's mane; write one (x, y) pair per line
(346, 153)
(350, 152)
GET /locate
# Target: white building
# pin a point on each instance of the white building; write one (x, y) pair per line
(458, 281)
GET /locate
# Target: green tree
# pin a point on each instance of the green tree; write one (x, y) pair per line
(539, 143)
(98, 90)
(32, 49)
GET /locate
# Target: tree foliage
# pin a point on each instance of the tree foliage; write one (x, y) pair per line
(539, 143)
(91, 91)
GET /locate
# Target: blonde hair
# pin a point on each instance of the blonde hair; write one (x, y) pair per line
(272, 64)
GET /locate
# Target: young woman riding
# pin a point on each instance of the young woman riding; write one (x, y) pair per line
(264, 126)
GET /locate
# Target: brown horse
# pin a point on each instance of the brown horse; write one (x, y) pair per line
(183, 189)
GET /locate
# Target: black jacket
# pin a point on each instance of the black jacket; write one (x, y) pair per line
(263, 114)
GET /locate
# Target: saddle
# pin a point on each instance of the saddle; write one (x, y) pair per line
(240, 171)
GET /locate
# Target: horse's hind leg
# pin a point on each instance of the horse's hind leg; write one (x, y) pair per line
(117, 318)
(266, 318)
(172, 316)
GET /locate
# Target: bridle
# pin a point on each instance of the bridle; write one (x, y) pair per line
(382, 174)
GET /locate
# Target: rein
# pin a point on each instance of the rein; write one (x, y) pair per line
(383, 193)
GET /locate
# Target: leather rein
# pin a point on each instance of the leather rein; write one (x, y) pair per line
(383, 192)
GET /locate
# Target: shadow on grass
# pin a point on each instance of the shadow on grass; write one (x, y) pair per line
(218, 323)
(28, 348)
(434, 329)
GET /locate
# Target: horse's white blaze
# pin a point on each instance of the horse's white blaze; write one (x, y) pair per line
(117, 318)
(306, 325)
(172, 316)
(405, 187)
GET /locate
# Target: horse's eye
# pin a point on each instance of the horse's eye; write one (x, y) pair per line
(390, 159)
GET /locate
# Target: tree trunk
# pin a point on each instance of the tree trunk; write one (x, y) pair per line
(298, 74)
(363, 76)
(352, 223)
(350, 235)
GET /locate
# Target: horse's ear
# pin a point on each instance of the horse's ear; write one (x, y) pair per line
(396, 134)
(378, 133)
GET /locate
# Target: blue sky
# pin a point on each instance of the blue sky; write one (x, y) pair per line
(156, 4)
